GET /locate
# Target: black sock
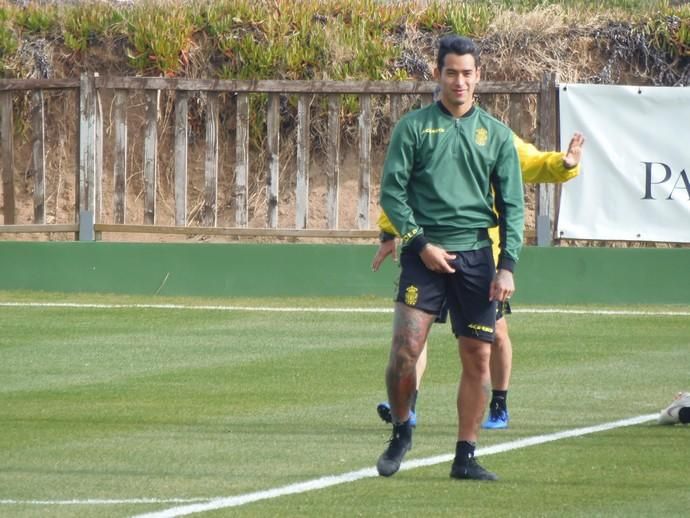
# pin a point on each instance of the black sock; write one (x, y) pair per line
(414, 400)
(684, 415)
(499, 400)
(464, 450)
(405, 424)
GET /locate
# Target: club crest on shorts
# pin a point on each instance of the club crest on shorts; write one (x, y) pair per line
(481, 136)
(411, 295)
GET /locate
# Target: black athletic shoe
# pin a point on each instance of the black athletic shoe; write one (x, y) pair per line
(400, 443)
(470, 469)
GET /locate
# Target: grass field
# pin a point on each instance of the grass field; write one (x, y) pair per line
(111, 411)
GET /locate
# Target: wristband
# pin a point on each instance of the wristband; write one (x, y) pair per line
(506, 263)
(418, 244)
(385, 236)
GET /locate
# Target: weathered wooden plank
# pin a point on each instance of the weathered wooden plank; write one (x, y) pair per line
(364, 161)
(546, 112)
(181, 133)
(242, 161)
(333, 161)
(515, 113)
(304, 87)
(76, 150)
(7, 85)
(492, 104)
(98, 158)
(38, 163)
(120, 158)
(209, 210)
(302, 183)
(267, 86)
(150, 157)
(7, 135)
(546, 141)
(238, 232)
(39, 228)
(273, 150)
(395, 108)
(87, 144)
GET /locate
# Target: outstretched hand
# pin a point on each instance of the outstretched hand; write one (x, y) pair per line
(574, 153)
(386, 248)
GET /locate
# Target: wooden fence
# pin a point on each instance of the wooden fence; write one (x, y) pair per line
(88, 119)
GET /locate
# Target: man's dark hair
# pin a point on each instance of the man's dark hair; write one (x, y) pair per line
(454, 44)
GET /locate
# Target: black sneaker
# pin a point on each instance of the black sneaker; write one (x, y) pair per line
(401, 441)
(470, 470)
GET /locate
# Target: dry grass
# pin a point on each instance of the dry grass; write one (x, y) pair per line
(523, 46)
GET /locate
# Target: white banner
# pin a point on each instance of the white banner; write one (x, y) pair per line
(634, 183)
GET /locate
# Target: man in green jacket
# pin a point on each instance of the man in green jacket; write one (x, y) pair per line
(537, 167)
(448, 165)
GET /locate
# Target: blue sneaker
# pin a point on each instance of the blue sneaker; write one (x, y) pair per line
(497, 420)
(384, 411)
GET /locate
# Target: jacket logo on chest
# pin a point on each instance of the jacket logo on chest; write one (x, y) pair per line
(481, 136)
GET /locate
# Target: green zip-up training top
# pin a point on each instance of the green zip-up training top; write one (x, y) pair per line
(440, 178)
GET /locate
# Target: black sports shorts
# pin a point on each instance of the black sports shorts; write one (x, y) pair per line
(502, 309)
(464, 293)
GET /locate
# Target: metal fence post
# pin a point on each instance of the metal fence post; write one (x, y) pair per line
(86, 230)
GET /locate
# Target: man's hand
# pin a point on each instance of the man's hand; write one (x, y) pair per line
(437, 259)
(386, 248)
(502, 287)
(574, 154)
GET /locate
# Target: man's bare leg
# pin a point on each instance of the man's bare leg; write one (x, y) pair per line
(474, 389)
(473, 395)
(421, 365)
(384, 409)
(501, 365)
(410, 329)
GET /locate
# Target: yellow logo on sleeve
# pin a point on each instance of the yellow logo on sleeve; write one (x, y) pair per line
(411, 234)
(411, 295)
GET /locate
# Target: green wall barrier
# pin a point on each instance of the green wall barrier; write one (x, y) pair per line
(603, 276)
(544, 275)
(195, 269)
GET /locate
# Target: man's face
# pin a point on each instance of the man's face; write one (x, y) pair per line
(458, 79)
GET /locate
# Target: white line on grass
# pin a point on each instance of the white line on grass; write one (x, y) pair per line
(98, 501)
(353, 476)
(305, 309)
(308, 309)
(614, 312)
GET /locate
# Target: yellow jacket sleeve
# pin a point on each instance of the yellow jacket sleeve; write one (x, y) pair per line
(537, 167)
(542, 166)
(385, 225)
